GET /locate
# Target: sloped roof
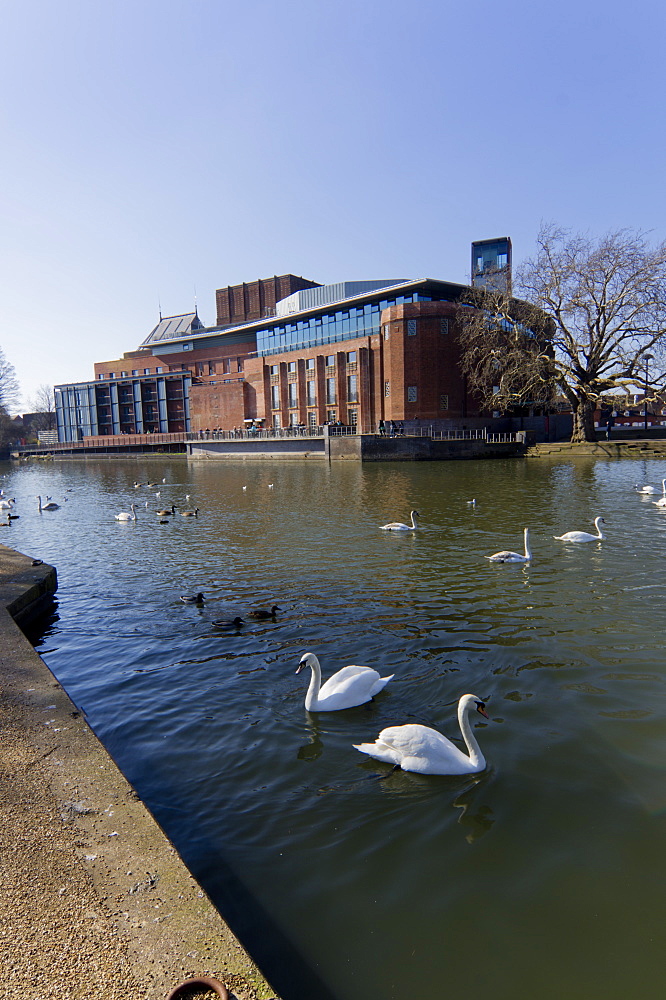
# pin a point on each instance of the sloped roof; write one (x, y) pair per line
(173, 327)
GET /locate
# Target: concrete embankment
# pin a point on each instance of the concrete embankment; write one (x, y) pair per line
(635, 448)
(94, 900)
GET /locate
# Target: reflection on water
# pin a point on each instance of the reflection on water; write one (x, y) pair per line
(540, 875)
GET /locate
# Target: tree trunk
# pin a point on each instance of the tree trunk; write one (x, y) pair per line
(583, 422)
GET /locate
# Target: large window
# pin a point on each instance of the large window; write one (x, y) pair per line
(275, 397)
(311, 393)
(330, 390)
(352, 389)
(293, 394)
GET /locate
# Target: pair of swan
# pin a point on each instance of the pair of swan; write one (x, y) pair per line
(411, 747)
(569, 536)
(400, 526)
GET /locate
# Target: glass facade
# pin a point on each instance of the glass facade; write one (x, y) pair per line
(329, 328)
(135, 406)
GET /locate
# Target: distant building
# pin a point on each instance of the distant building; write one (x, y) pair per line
(354, 352)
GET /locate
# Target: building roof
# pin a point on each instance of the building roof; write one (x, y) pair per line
(174, 328)
(310, 298)
(374, 290)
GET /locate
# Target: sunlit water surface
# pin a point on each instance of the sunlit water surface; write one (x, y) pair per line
(543, 876)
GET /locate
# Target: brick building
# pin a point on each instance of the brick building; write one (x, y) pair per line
(354, 352)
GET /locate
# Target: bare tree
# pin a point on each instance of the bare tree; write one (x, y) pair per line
(590, 319)
(43, 403)
(506, 350)
(9, 386)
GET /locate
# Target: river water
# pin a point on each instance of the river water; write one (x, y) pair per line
(542, 876)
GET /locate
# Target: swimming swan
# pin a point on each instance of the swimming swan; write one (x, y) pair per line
(124, 516)
(508, 556)
(399, 526)
(583, 536)
(347, 688)
(51, 505)
(425, 751)
(651, 489)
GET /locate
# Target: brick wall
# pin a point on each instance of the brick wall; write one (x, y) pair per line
(250, 300)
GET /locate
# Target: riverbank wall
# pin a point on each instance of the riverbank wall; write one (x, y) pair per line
(95, 900)
(631, 448)
(356, 448)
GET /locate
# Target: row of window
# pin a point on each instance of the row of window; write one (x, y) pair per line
(313, 419)
(223, 367)
(135, 372)
(413, 395)
(413, 326)
(310, 363)
(341, 324)
(311, 394)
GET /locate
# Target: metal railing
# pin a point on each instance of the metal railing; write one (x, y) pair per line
(269, 433)
(254, 434)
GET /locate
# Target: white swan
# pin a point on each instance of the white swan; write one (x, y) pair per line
(124, 516)
(399, 526)
(347, 688)
(583, 536)
(6, 504)
(508, 556)
(51, 505)
(651, 489)
(661, 502)
(425, 751)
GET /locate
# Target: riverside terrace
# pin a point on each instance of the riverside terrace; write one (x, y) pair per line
(421, 443)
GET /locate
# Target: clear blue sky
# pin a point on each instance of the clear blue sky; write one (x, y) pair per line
(151, 149)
